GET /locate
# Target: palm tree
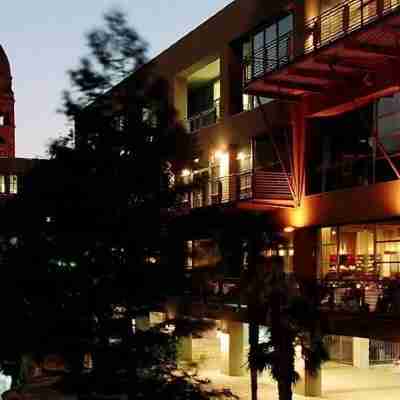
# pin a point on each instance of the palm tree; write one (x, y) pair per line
(275, 299)
(293, 321)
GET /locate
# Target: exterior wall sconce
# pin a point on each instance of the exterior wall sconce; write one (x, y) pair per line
(289, 229)
(186, 173)
(241, 156)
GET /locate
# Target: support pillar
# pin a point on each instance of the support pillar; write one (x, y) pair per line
(237, 356)
(143, 323)
(360, 352)
(309, 385)
(180, 97)
(231, 75)
(186, 349)
(305, 244)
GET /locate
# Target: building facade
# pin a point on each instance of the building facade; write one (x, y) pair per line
(294, 111)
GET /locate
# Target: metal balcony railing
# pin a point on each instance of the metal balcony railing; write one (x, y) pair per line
(257, 184)
(335, 23)
(380, 297)
(204, 118)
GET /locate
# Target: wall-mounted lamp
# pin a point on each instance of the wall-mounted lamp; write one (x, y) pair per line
(186, 173)
(241, 156)
(289, 229)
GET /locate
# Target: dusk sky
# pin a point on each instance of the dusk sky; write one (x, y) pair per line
(45, 38)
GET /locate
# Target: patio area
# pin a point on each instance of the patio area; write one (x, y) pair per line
(339, 382)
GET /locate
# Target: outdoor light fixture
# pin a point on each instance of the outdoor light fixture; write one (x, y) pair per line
(219, 154)
(289, 229)
(196, 160)
(241, 156)
(185, 173)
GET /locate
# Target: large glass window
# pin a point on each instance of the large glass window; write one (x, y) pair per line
(360, 251)
(2, 184)
(268, 48)
(389, 123)
(360, 266)
(13, 184)
(202, 253)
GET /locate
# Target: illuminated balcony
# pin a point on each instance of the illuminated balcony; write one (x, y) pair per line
(349, 47)
(204, 118)
(249, 188)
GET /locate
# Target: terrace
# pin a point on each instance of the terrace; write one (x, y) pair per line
(352, 46)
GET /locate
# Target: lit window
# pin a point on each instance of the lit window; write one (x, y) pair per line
(2, 184)
(120, 122)
(149, 117)
(5, 119)
(13, 184)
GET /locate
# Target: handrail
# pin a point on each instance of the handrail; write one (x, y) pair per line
(245, 185)
(344, 18)
(204, 118)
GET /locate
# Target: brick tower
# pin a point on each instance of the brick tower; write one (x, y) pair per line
(7, 118)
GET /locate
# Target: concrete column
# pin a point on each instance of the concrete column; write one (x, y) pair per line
(305, 242)
(231, 78)
(186, 349)
(237, 342)
(143, 323)
(180, 97)
(309, 385)
(157, 318)
(360, 352)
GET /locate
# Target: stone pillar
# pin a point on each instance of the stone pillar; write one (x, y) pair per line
(143, 323)
(360, 352)
(309, 385)
(237, 356)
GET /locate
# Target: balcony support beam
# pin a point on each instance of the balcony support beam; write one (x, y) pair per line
(384, 82)
(328, 76)
(371, 49)
(358, 64)
(290, 98)
(290, 85)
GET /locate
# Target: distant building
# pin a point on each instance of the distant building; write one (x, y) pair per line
(7, 116)
(11, 169)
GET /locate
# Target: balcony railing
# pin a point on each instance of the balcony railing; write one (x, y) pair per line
(379, 297)
(337, 22)
(249, 185)
(204, 118)
(375, 296)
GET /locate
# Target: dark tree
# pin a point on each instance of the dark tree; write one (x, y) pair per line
(83, 242)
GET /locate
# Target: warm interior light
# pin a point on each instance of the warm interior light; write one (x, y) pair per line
(196, 160)
(289, 229)
(185, 173)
